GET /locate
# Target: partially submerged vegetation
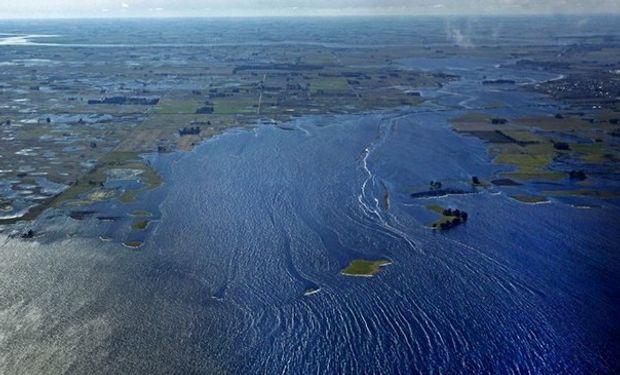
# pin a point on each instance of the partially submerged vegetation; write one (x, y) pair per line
(133, 244)
(533, 146)
(529, 198)
(91, 188)
(386, 197)
(477, 182)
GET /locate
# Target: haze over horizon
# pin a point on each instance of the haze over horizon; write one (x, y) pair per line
(263, 8)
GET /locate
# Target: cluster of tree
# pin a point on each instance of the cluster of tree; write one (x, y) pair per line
(456, 217)
(189, 131)
(499, 121)
(27, 234)
(434, 185)
(206, 109)
(475, 180)
(579, 175)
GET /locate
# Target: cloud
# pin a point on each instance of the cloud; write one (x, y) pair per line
(460, 39)
(124, 5)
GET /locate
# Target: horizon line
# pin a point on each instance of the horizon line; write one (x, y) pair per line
(352, 15)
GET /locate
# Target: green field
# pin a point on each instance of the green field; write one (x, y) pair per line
(329, 85)
(177, 106)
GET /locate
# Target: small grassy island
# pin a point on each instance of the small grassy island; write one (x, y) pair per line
(364, 268)
(140, 225)
(449, 217)
(532, 199)
(133, 244)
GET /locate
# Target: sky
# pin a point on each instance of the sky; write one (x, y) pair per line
(218, 8)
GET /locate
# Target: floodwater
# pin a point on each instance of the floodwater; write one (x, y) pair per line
(251, 220)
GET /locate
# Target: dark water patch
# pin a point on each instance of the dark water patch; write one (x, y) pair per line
(505, 182)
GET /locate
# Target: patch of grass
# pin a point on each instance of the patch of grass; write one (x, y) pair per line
(525, 162)
(329, 85)
(361, 267)
(593, 152)
(129, 196)
(141, 213)
(235, 106)
(523, 136)
(177, 106)
(33, 132)
(536, 176)
(552, 123)
(603, 194)
(532, 162)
